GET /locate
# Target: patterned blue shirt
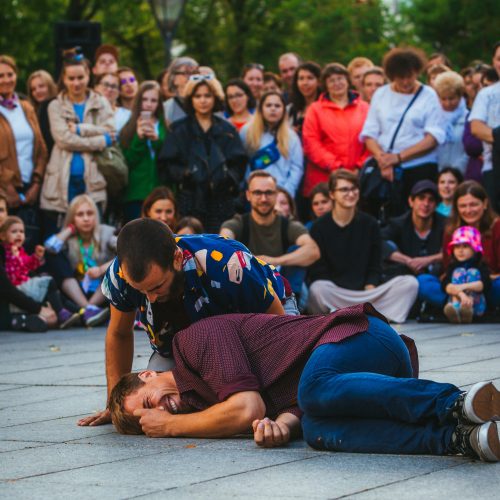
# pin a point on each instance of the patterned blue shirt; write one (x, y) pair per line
(221, 276)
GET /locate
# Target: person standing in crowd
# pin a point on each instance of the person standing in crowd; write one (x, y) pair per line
(106, 60)
(356, 68)
(469, 87)
(253, 76)
(288, 64)
(331, 128)
(161, 205)
(78, 257)
(23, 155)
(471, 207)
(272, 83)
(349, 269)
(412, 242)
(141, 141)
(433, 72)
(450, 89)
(179, 71)
(484, 118)
(82, 123)
(162, 80)
(272, 145)
(40, 87)
(129, 85)
(305, 90)
(108, 85)
(240, 103)
(203, 156)
(448, 180)
(372, 79)
(422, 129)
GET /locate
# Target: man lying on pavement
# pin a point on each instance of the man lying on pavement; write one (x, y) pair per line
(346, 378)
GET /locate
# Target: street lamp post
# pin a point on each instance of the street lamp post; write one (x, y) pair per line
(167, 14)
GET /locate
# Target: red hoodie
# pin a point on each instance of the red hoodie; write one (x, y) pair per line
(331, 138)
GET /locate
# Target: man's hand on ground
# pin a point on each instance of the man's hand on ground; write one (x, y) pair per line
(99, 418)
(268, 433)
(154, 421)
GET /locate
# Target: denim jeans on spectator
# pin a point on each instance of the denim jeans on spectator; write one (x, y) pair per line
(430, 290)
(357, 396)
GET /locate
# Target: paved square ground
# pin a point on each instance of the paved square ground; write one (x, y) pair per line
(48, 381)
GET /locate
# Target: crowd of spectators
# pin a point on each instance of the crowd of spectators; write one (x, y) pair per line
(277, 161)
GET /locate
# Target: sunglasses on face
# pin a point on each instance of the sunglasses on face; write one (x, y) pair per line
(130, 79)
(200, 78)
(254, 66)
(110, 86)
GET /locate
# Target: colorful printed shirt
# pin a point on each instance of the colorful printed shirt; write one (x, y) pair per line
(19, 266)
(221, 276)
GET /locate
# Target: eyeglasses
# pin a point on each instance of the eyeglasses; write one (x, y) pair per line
(130, 79)
(235, 96)
(346, 190)
(259, 194)
(110, 86)
(200, 78)
(254, 66)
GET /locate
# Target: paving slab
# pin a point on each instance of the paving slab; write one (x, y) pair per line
(49, 381)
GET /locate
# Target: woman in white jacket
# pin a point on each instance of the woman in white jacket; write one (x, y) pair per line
(272, 144)
(81, 123)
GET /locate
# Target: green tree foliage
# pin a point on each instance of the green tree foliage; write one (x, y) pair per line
(464, 30)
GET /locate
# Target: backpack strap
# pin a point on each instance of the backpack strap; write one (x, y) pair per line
(284, 233)
(245, 230)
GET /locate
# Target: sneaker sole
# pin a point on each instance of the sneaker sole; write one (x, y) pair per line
(71, 321)
(98, 318)
(466, 314)
(482, 403)
(451, 312)
(489, 442)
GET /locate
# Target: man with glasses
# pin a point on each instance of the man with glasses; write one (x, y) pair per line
(271, 237)
(349, 270)
(173, 282)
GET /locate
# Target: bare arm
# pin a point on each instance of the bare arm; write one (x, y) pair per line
(119, 353)
(233, 416)
(480, 130)
(227, 233)
(307, 253)
(475, 286)
(276, 307)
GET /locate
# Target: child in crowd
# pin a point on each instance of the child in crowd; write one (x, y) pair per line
(18, 265)
(467, 278)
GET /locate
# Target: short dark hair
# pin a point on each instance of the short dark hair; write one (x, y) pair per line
(124, 422)
(490, 74)
(238, 82)
(344, 174)
(142, 242)
(402, 62)
(334, 69)
(453, 171)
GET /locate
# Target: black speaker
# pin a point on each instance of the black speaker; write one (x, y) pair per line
(69, 34)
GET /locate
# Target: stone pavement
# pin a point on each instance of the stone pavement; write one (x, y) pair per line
(48, 381)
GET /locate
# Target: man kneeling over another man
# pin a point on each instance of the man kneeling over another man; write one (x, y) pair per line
(273, 373)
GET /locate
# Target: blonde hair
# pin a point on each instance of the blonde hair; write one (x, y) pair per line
(257, 127)
(212, 83)
(75, 204)
(359, 62)
(449, 82)
(47, 79)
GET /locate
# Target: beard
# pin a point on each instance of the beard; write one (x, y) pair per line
(176, 288)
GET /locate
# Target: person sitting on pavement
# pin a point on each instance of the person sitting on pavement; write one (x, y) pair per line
(286, 371)
(78, 256)
(321, 203)
(448, 180)
(37, 316)
(412, 241)
(174, 282)
(268, 235)
(350, 268)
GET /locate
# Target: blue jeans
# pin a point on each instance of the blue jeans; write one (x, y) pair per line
(430, 290)
(357, 396)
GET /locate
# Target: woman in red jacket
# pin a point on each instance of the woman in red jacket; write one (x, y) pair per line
(332, 127)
